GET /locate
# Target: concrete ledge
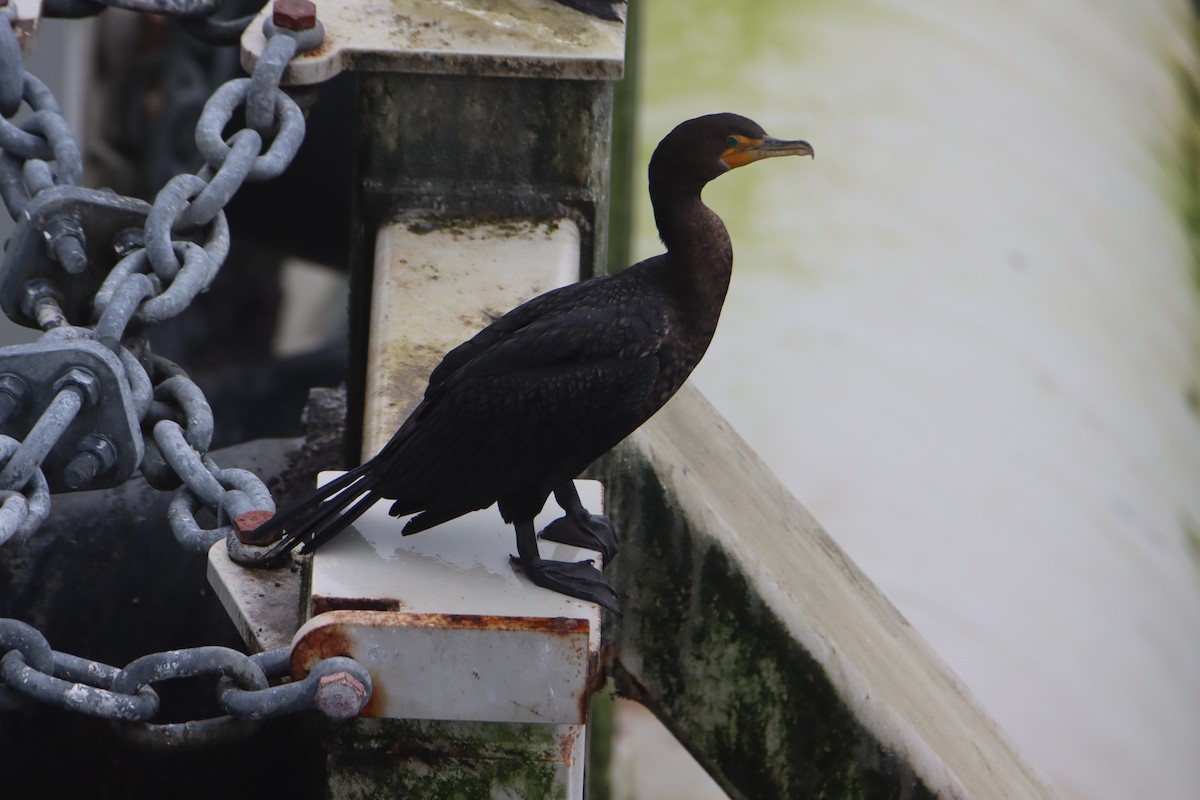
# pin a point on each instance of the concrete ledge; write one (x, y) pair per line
(393, 758)
(764, 649)
(503, 38)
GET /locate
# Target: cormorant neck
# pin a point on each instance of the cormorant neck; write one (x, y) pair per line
(699, 254)
(684, 222)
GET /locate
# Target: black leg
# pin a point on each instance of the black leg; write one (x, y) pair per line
(576, 579)
(579, 528)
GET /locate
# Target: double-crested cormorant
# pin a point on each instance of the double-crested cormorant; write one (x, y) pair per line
(518, 411)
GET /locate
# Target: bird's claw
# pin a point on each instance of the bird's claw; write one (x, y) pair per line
(593, 532)
(573, 578)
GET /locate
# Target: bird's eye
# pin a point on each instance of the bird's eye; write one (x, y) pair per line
(732, 141)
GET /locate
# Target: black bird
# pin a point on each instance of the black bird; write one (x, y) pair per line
(604, 9)
(518, 411)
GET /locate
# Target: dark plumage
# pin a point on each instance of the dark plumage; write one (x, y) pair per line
(518, 411)
(604, 9)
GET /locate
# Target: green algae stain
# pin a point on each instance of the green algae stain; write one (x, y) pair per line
(721, 670)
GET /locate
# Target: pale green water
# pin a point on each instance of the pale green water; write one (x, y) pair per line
(963, 335)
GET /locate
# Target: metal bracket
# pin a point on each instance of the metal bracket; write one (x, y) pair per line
(447, 625)
(95, 220)
(42, 367)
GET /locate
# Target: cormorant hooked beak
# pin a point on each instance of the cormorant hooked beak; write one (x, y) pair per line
(743, 150)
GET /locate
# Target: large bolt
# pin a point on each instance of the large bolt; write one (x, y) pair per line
(340, 695)
(244, 526)
(41, 301)
(66, 240)
(82, 379)
(294, 15)
(96, 456)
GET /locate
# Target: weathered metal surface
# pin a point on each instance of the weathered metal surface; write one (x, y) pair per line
(460, 147)
(476, 149)
(444, 150)
(263, 604)
(756, 640)
(437, 282)
(458, 666)
(502, 38)
(105, 405)
(462, 567)
(447, 626)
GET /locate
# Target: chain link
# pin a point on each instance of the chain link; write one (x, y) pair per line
(188, 11)
(74, 405)
(22, 512)
(32, 671)
(159, 279)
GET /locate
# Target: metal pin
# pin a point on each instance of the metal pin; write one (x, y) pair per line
(66, 240)
(96, 456)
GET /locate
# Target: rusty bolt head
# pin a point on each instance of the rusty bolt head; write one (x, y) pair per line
(340, 695)
(244, 526)
(35, 292)
(294, 15)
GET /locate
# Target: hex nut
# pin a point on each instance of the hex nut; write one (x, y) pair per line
(294, 15)
(340, 695)
(244, 526)
(82, 378)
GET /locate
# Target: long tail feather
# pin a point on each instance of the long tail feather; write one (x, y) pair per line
(285, 520)
(339, 523)
(318, 511)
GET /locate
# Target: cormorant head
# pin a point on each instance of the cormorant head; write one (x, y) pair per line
(705, 147)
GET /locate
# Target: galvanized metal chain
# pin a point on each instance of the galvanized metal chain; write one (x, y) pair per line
(89, 403)
(59, 273)
(30, 671)
(199, 17)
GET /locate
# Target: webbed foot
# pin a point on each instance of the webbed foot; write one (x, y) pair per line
(576, 579)
(591, 531)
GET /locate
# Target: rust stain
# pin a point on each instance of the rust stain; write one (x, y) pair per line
(598, 666)
(395, 618)
(320, 643)
(322, 49)
(552, 625)
(358, 612)
(245, 525)
(378, 701)
(323, 605)
(583, 702)
(566, 745)
(334, 635)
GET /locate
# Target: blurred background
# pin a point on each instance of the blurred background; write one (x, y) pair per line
(965, 335)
